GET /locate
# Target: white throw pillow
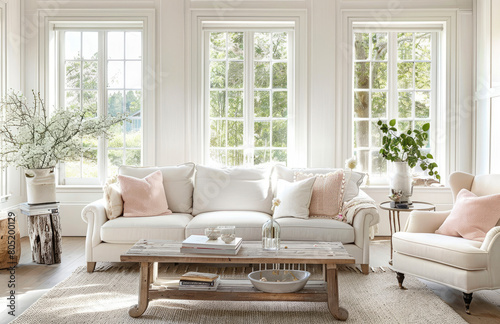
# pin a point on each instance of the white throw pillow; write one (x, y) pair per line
(295, 198)
(177, 182)
(237, 188)
(113, 199)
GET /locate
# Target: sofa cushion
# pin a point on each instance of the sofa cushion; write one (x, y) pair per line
(177, 181)
(132, 229)
(232, 189)
(353, 179)
(294, 197)
(315, 229)
(113, 199)
(453, 251)
(248, 223)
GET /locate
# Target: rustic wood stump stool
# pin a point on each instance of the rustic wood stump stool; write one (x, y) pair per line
(44, 230)
(10, 241)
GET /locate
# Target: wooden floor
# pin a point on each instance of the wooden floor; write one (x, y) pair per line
(33, 280)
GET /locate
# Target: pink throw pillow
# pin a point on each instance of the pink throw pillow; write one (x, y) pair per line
(144, 197)
(327, 194)
(472, 216)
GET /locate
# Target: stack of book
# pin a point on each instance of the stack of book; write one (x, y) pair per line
(199, 281)
(39, 209)
(200, 244)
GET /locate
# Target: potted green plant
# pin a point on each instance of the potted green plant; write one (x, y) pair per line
(405, 150)
(36, 139)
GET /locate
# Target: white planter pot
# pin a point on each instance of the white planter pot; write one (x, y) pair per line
(401, 181)
(40, 186)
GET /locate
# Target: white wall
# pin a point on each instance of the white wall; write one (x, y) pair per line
(322, 105)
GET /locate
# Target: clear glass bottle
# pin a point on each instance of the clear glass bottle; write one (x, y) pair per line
(271, 235)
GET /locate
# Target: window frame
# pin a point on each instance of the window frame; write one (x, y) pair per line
(392, 90)
(107, 18)
(249, 119)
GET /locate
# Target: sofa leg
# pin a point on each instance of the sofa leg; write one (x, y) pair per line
(467, 300)
(90, 267)
(401, 278)
(365, 268)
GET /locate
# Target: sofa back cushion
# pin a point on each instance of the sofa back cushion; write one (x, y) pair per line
(177, 182)
(245, 189)
(353, 179)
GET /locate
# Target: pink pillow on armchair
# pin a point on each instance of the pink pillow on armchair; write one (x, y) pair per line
(144, 197)
(472, 216)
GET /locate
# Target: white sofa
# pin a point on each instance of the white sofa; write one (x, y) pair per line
(201, 197)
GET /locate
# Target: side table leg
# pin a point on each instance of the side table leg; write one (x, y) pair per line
(140, 308)
(333, 293)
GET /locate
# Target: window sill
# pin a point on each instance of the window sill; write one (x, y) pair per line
(380, 188)
(78, 188)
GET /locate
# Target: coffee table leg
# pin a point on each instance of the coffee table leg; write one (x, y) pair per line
(333, 293)
(140, 308)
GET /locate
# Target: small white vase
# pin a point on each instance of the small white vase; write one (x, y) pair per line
(401, 181)
(40, 186)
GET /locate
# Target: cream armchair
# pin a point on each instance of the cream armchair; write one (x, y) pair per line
(456, 262)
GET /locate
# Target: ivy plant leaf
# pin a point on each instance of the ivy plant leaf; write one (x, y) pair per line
(426, 127)
(429, 156)
(392, 122)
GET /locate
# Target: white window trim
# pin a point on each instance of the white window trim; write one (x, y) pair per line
(195, 19)
(4, 190)
(448, 96)
(48, 45)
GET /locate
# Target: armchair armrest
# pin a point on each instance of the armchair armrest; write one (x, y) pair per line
(425, 221)
(94, 214)
(492, 239)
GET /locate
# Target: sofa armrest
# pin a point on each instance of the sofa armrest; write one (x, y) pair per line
(425, 221)
(492, 239)
(94, 214)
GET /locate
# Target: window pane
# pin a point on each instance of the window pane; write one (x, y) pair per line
(234, 157)
(234, 133)
(235, 50)
(133, 73)
(133, 136)
(115, 160)
(115, 102)
(419, 124)
(90, 44)
(423, 46)
(235, 75)
(361, 75)
(405, 46)
(73, 75)
(261, 103)
(279, 156)
(72, 44)
(218, 75)
(361, 46)
(89, 75)
(217, 45)
(405, 104)
(262, 134)
(280, 106)
(262, 46)
(115, 139)
(262, 75)
(218, 133)
(72, 99)
(404, 126)
(115, 74)
(217, 103)
(422, 104)
(134, 103)
(423, 75)
(133, 157)
(279, 75)
(261, 156)
(379, 75)
(72, 169)
(379, 164)
(235, 101)
(90, 102)
(115, 45)
(379, 104)
(133, 45)
(361, 133)
(279, 133)
(405, 75)
(280, 46)
(376, 134)
(379, 46)
(362, 157)
(89, 166)
(361, 104)
(218, 155)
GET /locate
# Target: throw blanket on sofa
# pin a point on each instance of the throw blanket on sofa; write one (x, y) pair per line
(352, 207)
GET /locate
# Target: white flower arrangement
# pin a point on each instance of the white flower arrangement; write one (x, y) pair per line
(34, 139)
(351, 163)
(276, 203)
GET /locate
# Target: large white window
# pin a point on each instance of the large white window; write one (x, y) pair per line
(101, 69)
(248, 96)
(394, 77)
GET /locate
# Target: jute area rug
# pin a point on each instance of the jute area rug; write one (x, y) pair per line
(106, 295)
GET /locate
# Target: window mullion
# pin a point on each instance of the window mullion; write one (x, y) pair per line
(393, 77)
(248, 95)
(102, 104)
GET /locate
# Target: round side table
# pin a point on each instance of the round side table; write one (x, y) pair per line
(394, 214)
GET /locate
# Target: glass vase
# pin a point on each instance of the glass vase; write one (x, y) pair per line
(271, 235)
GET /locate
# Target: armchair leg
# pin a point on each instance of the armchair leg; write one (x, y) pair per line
(365, 269)
(467, 300)
(401, 278)
(90, 267)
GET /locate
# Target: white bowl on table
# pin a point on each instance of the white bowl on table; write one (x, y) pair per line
(279, 281)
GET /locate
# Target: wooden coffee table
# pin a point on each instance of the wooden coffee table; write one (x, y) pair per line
(149, 252)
